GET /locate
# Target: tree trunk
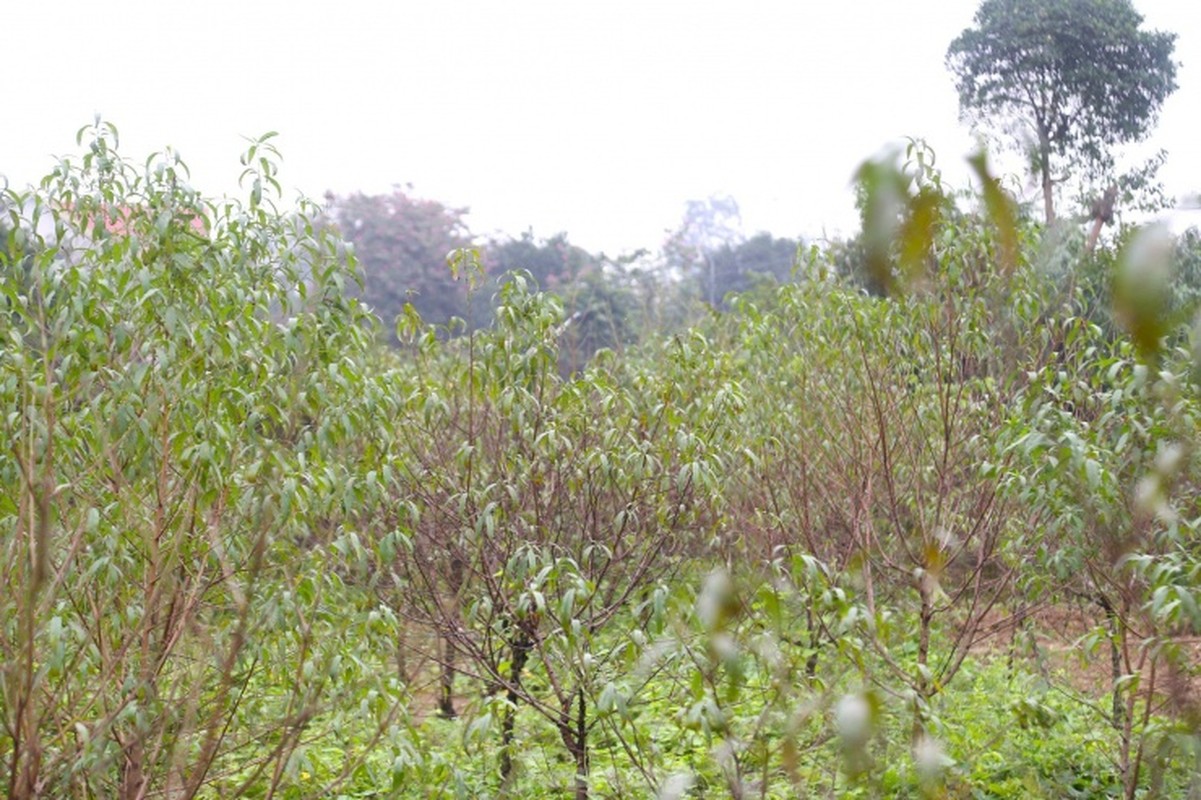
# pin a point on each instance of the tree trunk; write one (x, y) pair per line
(25, 766)
(1113, 626)
(133, 776)
(1044, 166)
(712, 280)
(1019, 628)
(446, 701)
(1102, 215)
(506, 744)
(521, 652)
(576, 740)
(814, 644)
(446, 697)
(923, 689)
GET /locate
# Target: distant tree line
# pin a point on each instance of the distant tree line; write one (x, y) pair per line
(401, 243)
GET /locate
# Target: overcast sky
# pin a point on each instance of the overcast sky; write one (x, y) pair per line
(595, 118)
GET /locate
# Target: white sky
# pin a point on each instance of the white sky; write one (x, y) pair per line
(595, 118)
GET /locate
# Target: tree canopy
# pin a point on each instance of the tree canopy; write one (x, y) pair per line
(401, 243)
(1069, 79)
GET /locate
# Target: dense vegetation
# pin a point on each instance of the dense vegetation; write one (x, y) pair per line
(937, 539)
(297, 505)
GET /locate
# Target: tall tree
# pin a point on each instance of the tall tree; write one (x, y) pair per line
(761, 258)
(1069, 79)
(598, 303)
(707, 226)
(553, 263)
(401, 243)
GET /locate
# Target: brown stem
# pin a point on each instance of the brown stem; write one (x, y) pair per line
(446, 700)
(522, 644)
